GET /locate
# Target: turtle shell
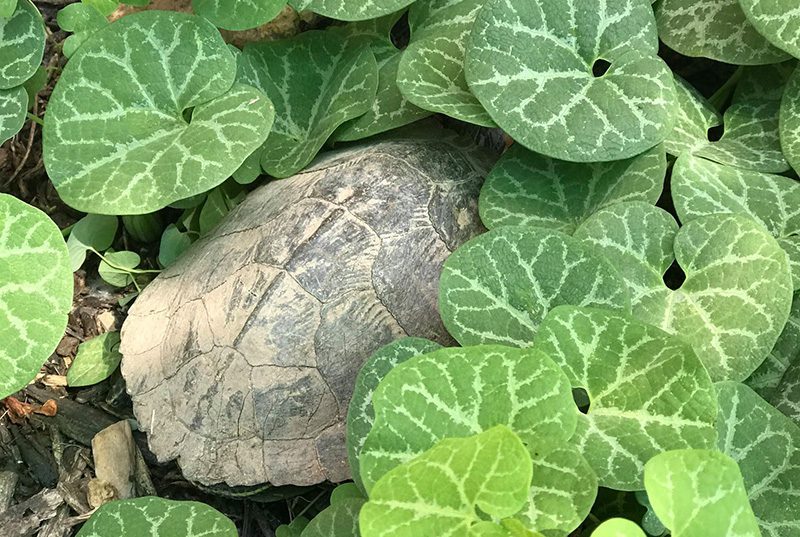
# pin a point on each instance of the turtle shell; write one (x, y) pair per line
(242, 356)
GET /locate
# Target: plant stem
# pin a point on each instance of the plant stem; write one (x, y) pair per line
(36, 119)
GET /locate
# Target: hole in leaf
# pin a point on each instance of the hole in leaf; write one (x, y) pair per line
(715, 133)
(600, 67)
(674, 276)
(581, 398)
(187, 115)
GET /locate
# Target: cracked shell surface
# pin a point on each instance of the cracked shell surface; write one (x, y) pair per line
(241, 357)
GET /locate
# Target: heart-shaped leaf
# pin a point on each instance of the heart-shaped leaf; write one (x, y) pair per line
(36, 293)
(751, 137)
(441, 491)
(13, 106)
(431, 71)
(116, 267)
(701, 187)
(157, 517)
(390, 109)
(351, 10)
(360, 414)
(766, 445)
(116, 140)
(648, 391)
(790, 121)
(786, 352)
(699, 492)
(22, 41)
(96, 360)
(458, 392)
(338, 81)
(498, 287)
(777, 20)
(82, 20)
(340, 519)
(528, 189)
(716, 29)
(572, 80)
(238, 14)
(92, 232)
(737, 294)
(618, 527)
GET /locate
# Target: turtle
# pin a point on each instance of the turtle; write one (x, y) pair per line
(241, 357)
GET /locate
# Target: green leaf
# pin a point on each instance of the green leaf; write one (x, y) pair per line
(35, 84)
(338, 520)
(339, 82)
(144, 228)
(13, 105)
(249, 171)
(390, 109)
(750, 139)
(699, 493)
(738, 289)
(790, 121)
(777, 20)
(351, 10)
(96, 360)
(498, 287)
(173, 244)
(786, 352)
(786, 397)
(766, 445)
(93, 231)
(701, 187)
(238, 14)
(360, 414)
(431, 70)
(458, 392)
(22, 41)
(82, 20)
(7, 8)
(157, 517)
(618, 527)
(116, 267)
(116, 140)
(531, 66)
(648, 391)
(293, 529)
(441, 491)
(528, 189)
(104, 7)
(36, 294)
(214, 209)
(716, 29)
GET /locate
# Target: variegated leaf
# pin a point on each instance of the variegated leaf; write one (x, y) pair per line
(317, 81)
(36, 291)
(528, 189)
(648, 391)
(784, 354)
(498, 287)
(751, 137)
(572, 79)
(766, 445)
(238, 14)
(13, 106)
(351, 10)
(701, 187)
(431, 70)
(777, 20)
(737, 294)
(118, 138)
(22, 40)
(716, 29)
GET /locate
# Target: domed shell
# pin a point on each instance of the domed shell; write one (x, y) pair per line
(241, 358)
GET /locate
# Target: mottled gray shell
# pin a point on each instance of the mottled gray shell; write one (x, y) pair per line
(241, 358)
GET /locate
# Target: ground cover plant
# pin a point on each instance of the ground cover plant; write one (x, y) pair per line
(627, 327)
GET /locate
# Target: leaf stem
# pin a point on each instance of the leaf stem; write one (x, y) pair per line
(722, 95)
(36, 119)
